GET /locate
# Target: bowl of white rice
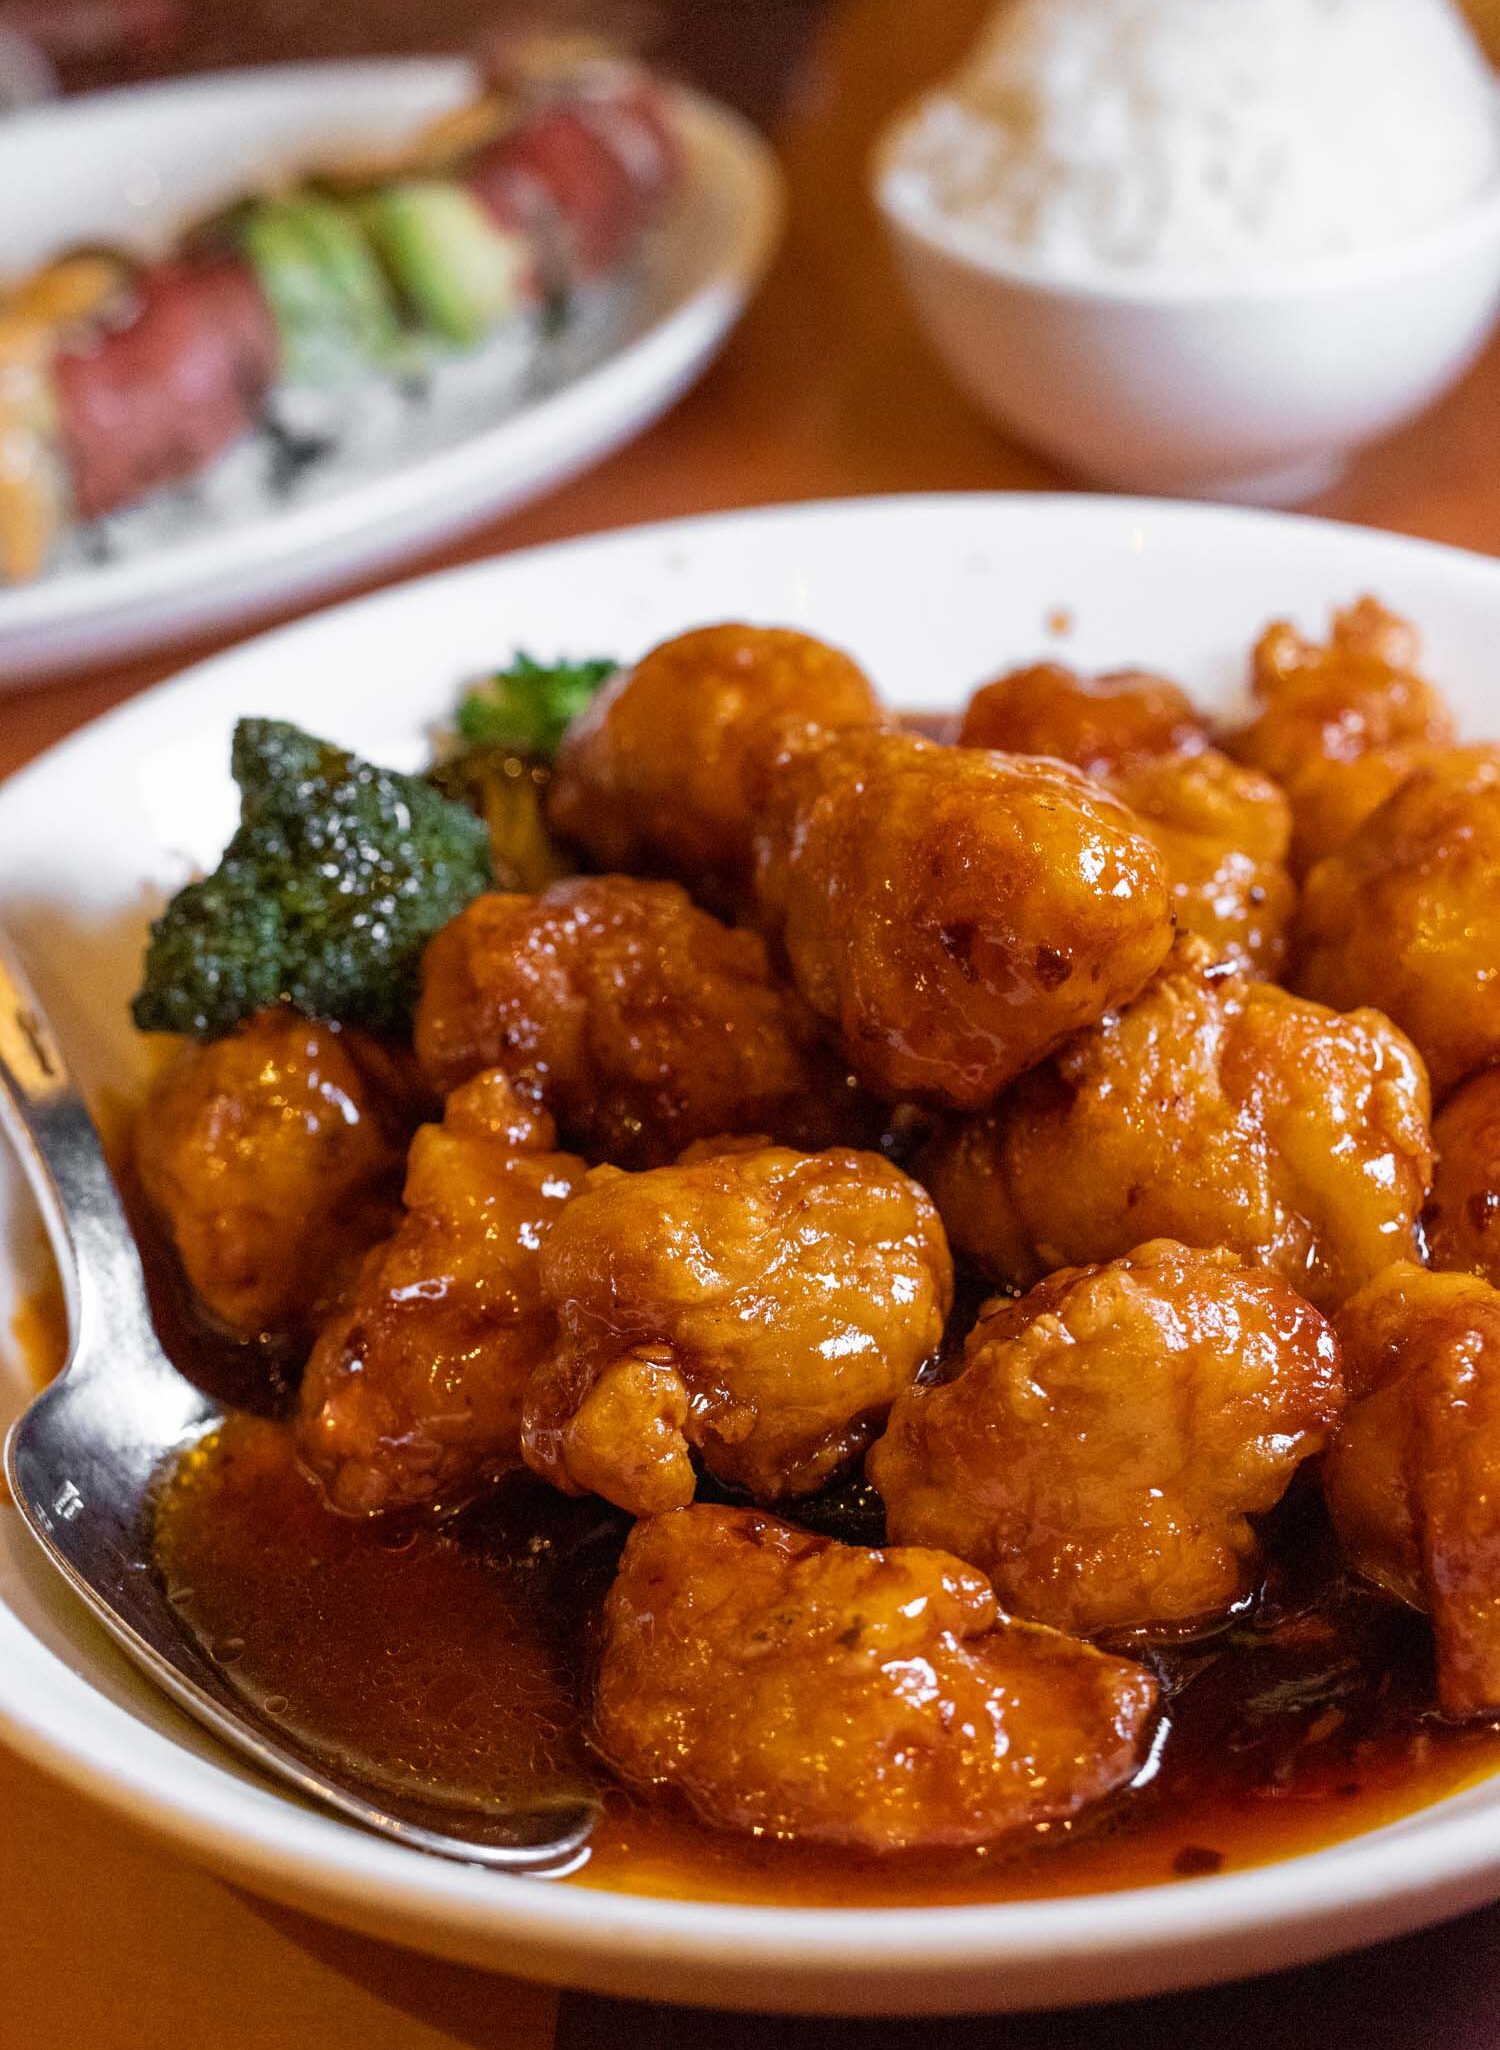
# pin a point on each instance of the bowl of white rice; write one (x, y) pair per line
(1206, 247)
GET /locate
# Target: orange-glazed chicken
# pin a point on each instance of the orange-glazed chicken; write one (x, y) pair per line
(1339, 722)
(1335, 798)
(1407, 915)
(413, 1392)
(1413, 1480)
(639, 1021)
(1215, 1110)
(666, 771)
(791, 1686)
(274, 1158)
(1099, 724)
(953, 915)
(1463, 1218)
(1109, 1436)
(1224, 832)
(760, 1308)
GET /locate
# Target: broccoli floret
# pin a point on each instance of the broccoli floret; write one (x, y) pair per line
(527, 708)
(338, 876)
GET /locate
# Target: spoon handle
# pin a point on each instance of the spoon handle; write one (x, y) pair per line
(63, 1160)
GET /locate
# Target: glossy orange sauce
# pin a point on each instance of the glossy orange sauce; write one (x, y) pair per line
(461, 1655)
(39, 1330)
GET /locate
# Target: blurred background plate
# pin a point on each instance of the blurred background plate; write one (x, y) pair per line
(133, 166)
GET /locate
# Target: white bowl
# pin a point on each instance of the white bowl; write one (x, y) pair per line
(1256, 385)
(931, 594)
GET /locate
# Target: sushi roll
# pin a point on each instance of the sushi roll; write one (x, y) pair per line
(119, 380)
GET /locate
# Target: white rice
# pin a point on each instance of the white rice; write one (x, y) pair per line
(1206, 132)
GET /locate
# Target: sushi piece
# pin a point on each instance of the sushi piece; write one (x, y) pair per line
(460, 273)
(152, 400)
(57, 301)
(333, 305)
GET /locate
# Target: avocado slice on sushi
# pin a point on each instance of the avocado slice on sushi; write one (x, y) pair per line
(333, 306)
(460, 274)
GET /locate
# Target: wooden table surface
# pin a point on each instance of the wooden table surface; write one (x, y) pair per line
(825, 391)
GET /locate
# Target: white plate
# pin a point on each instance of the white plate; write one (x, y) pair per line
(932, 594)
(133, 166)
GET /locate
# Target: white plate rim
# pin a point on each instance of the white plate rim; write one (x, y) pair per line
(883, 1960)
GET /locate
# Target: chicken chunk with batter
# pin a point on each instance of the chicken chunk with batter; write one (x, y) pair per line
(640, 1022)
(665, 772)
(1413, 1480)
(413, 1392)
(274, 1159)
(1223, 830)
(791, 1686)
(1109, 1436)
(1463, 1218)
(1325, 709)
(1215, 1110)
(761, 1308)
(952, 915)
(1100, 725)
(1335, 798)
(1407, 915)
(1224, 833)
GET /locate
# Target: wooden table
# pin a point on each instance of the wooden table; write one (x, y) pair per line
(826, 391)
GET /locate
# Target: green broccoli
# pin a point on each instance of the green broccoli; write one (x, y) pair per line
(338, 876)
(527, 708)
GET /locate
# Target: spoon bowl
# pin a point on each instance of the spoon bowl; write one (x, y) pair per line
(84, 1461)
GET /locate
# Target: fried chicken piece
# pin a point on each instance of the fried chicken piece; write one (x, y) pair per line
(665, 772)
(1407, 915)
(639, 1021)
(792, 1686)
(1215, 1110)
(1108, 1437)
(413, 1393)
(1327, 706)
(762, 1308)
(1101, 725)
(953, 915)
(274, 1158)
(1463, 1218)
(1224, 833)
(1413, 1480)
(1335, 798)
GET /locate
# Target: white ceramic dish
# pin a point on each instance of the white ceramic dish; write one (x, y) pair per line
(132, 166)
(933, 594)
(1256, 386)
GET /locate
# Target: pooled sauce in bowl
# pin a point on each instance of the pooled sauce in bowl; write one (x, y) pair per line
(458, 1654)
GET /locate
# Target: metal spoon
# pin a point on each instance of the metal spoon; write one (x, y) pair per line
(83, 1459)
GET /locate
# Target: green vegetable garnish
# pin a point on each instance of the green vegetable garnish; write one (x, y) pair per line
(333, 308)
(461, 275)
(528, 707)
(337, 878)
